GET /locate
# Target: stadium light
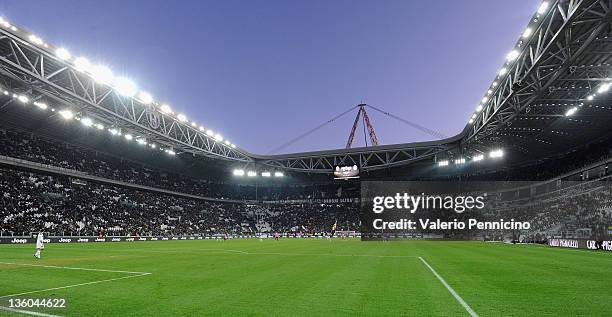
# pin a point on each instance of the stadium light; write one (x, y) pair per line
(82, 64)
(266, 174)
(503, 71)
(603, 88)
(66, 114)
(474, 116)
(479, 108)
(40, 105)
(459, 161)
(35, 39)
(194, 125)
(153, 145)
(171, 152)
(201, 128)
(527, 33)
(102, 74)
(443, 163)
(238, 172)
(165, 109)
(210, 132)
(87, 122)
(251, 173)
(478, 157)
(141, 141)
(182, 118)
(484, 99)
(571, 111)
(99, 126)
(129, 137)
(227, 142)
(63, 54)
(471, 121)
(543, 7)
(219, 137)
(590, 97)
(512, 55)
(496, 153)
(23, 99)
(278, 174)
(145, 97)
(489, 92)
(125, 86)
(233, 146)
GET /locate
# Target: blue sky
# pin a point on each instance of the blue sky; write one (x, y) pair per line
(263, 72)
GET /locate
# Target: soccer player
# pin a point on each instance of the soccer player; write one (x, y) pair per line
(40, 245)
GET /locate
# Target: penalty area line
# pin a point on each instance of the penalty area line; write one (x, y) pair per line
(450, 289)
(27, 312)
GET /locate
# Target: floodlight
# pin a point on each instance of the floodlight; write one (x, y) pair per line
(266, 174)
(23, 99)
(471, 121)
(145, 97)
(182, 117)
(125, 86)
(66, 114)
(590, 97)
(201, 128)
(35, 39)
(278, 174)
(113, 131)
(603, 88)
(128, 137)
(443, 163)
(496, 153)
(459, 161)
(503, 71)
(193, 124)
(82, 64)
(479, 108)
(238, 172)
(484, 99)
(63, 53)
(571, 111)
(233, 146)
(512, 55)
(527, 33)
(478, 157)
(165, 109)
(102, 74)
(543, 7)
(87, 122)
(210, 132)
(227, 142)
(40, 105)
(99, 126)
(474, 116)
(171, 152)
(153, 145)
(251, 173)
(218, 137)
(141, 141)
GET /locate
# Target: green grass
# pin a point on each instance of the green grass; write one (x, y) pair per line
(294, 277)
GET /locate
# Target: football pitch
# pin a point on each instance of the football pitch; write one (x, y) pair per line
(307, 277)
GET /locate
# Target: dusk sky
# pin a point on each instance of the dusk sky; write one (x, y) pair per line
(263, 72)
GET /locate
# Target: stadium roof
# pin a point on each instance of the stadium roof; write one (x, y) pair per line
(551, 95)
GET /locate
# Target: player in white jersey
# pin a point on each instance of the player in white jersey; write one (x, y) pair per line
(40, 244)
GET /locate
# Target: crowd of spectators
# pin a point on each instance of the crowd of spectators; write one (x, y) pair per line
(64, 206)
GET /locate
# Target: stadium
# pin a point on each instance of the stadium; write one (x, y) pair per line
(134, 208)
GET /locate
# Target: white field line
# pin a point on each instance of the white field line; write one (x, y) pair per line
(133, 275)
(450, 289)
(73, 268)
(27, 312)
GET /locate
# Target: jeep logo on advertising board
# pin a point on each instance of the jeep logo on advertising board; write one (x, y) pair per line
(19, 240)
(64, 240)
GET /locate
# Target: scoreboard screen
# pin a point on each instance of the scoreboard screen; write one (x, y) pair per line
(346, 172)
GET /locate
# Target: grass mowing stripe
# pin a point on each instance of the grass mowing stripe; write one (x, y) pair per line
(26, 312)
(450, 289)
